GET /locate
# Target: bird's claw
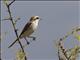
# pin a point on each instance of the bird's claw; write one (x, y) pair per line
(28, 43)
(34, 38)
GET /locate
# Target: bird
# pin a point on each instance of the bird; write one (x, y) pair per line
(28, 29)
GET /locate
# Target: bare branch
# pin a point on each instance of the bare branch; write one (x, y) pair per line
(11, 19)
(11, 2)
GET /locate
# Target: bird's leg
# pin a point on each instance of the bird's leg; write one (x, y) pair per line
(34, 38)
(27, 41)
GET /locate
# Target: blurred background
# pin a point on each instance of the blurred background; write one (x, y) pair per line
(58, 17)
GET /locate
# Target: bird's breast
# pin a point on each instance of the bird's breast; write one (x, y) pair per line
(35, 25)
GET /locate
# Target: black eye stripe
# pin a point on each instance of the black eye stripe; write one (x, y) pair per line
(37, 17)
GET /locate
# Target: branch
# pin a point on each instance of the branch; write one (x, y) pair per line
(11, 2)
(74, 52)
(62, 48)
(15, 30)
(11, 19)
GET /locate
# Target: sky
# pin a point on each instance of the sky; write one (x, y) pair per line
(58, 17)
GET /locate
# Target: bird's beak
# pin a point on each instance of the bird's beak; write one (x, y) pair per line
(40, 18)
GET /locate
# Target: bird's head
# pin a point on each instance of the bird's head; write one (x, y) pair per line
(34, 18)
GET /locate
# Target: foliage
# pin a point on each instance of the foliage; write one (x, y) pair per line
(20, 55)
(72, 53)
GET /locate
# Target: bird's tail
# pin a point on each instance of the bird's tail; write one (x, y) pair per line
(13, 43)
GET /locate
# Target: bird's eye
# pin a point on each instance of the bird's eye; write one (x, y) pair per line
(37, 18)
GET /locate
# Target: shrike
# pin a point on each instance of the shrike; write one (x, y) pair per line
(29, 28)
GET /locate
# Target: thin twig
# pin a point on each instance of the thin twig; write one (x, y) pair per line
(11, 2)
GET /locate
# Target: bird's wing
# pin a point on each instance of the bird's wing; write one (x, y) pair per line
(25, 28)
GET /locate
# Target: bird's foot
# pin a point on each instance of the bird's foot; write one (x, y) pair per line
(34, 38)
(28, 43)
